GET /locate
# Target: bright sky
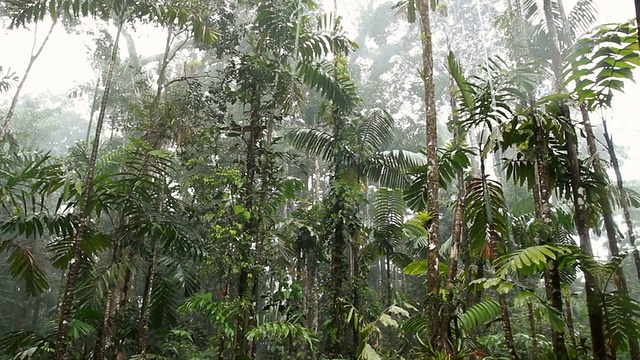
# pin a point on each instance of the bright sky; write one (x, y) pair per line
(63, 65)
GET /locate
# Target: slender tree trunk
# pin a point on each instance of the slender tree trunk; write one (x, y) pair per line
(103, 329)
(594, 295)
(532, 328)
(541, 190)
(162, 77)
(439, 332)
(387, 266)
(494, 241)
(35, 316)
(77, 252)
(34, 56)
(609, 224)
(637, 3)
(251, 226)
(23, 312)
(624, 199)
(143, 320)
(93, 111)
(568, 315)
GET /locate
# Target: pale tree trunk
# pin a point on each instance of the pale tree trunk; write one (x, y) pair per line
(438, 332)
(594, 295)
(34, 56)
(92, 112)
(77, 253)
(624, 199)
(607, 214)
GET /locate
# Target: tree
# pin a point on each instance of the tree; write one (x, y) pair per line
(423, 7)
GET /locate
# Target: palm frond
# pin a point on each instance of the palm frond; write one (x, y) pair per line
(374, 133)
(391, 168)
(621, 312)
(25, 266)
(479, 314)
(7, 79)
(313, 142)
(281, 330)
(582, 16)
(526, 261)
(332, 83)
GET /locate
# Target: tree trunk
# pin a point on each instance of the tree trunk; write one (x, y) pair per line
(532, 328)
(637, 2)
(624, 199)
(77, 252)
(609, 224)
(35, 316)
(92, 112)
(568, 314)
(103, 329)
(594, 295)
(14, 102)
(541, 192)
(438, 332)
(494, 241)
(143, 320)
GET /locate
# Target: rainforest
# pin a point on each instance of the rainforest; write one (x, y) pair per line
(315, 179)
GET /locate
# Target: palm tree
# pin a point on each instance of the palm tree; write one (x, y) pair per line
(357, 151)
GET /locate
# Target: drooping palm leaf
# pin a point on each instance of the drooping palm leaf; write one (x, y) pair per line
(374, 133)
(313, 142)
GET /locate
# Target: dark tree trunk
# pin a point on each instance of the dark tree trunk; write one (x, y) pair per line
(624, 199)
(143, 320)
(73, 272)
(594, 295)
(609, 224)
(637, 2)
(568, 315)
(35, 316)
(534, 332)
(541, 191)
(251, 227)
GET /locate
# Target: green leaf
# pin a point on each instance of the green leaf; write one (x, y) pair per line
(479, 314)
(418, 267)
